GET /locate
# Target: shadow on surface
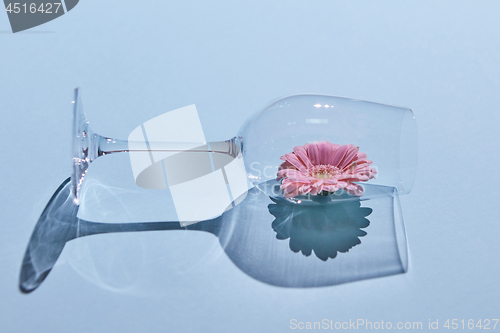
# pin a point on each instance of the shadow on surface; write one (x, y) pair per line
(250, 235)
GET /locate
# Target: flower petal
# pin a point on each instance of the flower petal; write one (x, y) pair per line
(326, 152)
(301, 152)
(333, 147)
(330, 181)
(286, 165)
(295, 161)
(316, 188)
(342, 184)
(339, 155)
(361, 155)
(349, 156)
(294, 175)
(314, 153)
(291, 190)
(355, 189)
(330, 188)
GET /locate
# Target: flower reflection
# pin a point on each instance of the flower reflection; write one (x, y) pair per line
(324, 229)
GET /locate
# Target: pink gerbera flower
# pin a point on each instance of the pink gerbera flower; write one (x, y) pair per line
(323, 168)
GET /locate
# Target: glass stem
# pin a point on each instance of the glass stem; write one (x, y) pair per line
(106, 145)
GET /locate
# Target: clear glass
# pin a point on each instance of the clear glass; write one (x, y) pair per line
(315, 241)
(387, 134)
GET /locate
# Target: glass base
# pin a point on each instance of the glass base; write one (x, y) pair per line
(272, 189)
(84, 147)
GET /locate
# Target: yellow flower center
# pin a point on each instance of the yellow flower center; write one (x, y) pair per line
(323, 171)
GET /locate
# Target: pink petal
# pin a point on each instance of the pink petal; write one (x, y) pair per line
(286, 165)
(339, 155)
(294, 160)
(291, 192)
(295, 174)
(331, 181)
(326, 152)
(342, 184)
(330, 188)
(361, 156)
(360, 163)
(285, 173)
(350, 178)
(314, 153)
(299, 179)
(349, 156)
(288, 184)
(317, 187)
(301, 152)
(355, 189)
(333, 149)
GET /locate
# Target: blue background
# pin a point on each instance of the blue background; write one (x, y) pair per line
(136, 60)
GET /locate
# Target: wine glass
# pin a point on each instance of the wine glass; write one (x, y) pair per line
(387, 134)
